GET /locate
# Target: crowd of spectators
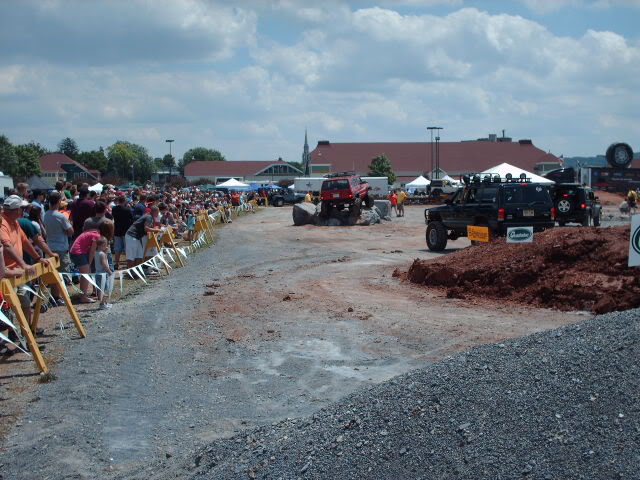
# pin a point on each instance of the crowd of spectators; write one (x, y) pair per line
(90, 232)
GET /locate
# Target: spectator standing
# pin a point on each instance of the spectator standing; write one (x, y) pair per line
(136, 237)
(82, 254)
(122, 219)
(15, 243)
(401, 198)
(139, 207)
(82, 209)
(103, 270)
(94, 222)
(393, 198)
(59, 230)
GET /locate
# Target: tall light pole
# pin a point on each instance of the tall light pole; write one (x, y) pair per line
(436, 165)
(169, 142)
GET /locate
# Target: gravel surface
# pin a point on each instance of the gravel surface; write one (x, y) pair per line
(560, 404)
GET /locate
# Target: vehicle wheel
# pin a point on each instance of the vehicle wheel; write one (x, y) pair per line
(279, 202)
(586, 221)
(368, 201)
(596, 221)
(563, 206)
(436, 236)
(355, 208)
(324, 210)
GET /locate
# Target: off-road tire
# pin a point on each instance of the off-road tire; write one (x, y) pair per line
(278, 202)
(586, 221)
(563, 206)
(325, 210)
(596, 221)
(355, 208)
(436, 236)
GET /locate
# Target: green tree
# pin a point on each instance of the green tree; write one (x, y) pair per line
(127, 159)
(8, 157)
(297, 165)
(201, 154)
(381, 167)
(28, 160)
(69, 147)
(120, 159)
(94, 160)
(41, 151)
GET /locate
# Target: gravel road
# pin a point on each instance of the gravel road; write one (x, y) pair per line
(272, 322)
(561, 404)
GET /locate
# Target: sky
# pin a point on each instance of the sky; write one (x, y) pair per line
(248, 77)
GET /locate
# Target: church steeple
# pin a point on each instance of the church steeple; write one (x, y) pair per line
(306, 157)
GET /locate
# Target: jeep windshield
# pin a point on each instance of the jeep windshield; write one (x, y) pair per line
(526, 194)
(335, 184)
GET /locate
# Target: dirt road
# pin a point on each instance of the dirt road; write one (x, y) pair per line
(273, 321)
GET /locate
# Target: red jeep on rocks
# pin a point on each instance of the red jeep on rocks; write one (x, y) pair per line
(344, 190)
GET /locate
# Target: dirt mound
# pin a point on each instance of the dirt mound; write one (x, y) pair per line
(564, 268)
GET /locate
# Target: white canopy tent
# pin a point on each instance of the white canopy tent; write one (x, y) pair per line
(505, 168)
(419, 182)
(96, 188)
(233, 183)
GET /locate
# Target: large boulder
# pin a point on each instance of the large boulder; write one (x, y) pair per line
(384, 207)
(369, 217)
(304, 214)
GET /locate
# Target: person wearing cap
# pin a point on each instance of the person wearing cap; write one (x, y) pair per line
(59, 230)
(16, 243)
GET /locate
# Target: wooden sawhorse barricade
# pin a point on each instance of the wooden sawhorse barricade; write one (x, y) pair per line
(165, 239)
(47, 275)
(203, 224)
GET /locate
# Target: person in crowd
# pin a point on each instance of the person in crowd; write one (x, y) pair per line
(139, 207)
(103, 270)
(35, 216)
(15, 243)
(307, 197)
(190, 220)
(122, 219)
(23, 191)
(393, 198)
(59, 230)
(94, 222)
(82, 209)
(82, 254)
(67, 191)
(136, 236)
(632, 201)
(401, 198)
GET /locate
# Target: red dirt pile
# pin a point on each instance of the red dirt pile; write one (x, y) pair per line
(565, 268)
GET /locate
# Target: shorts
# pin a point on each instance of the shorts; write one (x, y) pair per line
(119, 244)
(65, 261)
(25, 298)
(79, 259)
(134, 248)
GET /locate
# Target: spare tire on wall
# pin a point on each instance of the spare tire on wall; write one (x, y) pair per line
(619, 155)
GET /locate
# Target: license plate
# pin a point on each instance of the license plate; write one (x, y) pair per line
(528, 213)
(336, 195)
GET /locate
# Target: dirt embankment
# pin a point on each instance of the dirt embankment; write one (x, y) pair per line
(564, 268)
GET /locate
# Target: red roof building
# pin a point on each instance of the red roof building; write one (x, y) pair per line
(242, 170)
(411, 159)
(57, 166)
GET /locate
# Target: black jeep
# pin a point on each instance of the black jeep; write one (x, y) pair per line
(491, 201)
(576, 203)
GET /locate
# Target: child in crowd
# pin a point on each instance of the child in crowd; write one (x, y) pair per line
(103, 267)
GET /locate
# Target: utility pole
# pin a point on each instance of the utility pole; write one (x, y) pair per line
(169, 142)
(435, 167)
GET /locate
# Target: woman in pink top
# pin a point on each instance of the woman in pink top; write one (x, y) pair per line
(82, 252)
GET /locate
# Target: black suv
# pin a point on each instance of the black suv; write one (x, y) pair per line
(491, 201)
(576, 203)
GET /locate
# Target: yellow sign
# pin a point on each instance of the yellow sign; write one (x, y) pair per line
(479, 234)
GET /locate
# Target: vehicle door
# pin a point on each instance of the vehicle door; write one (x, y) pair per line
(469, 206)
(487, 204)
(454, 209)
